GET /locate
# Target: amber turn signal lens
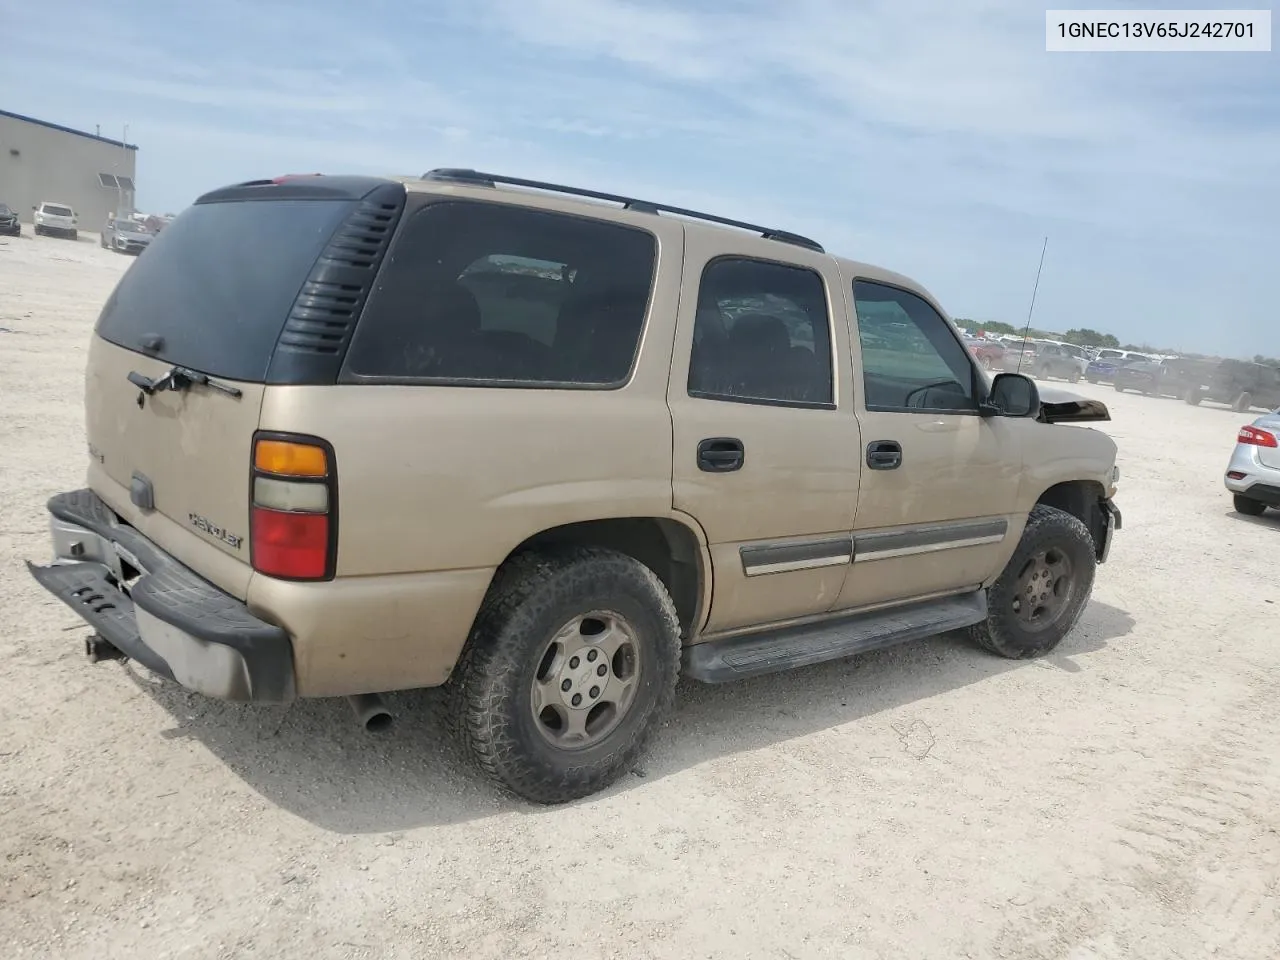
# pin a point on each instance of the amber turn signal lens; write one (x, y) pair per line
(287, 459)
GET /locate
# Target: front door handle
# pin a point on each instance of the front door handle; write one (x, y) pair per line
(884, 455)
(721, 454)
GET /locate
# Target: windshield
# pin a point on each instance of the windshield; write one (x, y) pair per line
(56, 211)
(131, 226)
(5, 210)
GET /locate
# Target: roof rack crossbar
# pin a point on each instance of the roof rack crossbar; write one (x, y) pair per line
(628, 203)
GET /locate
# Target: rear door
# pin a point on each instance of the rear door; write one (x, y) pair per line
(935, 506)
(766, 446)
(212, 294)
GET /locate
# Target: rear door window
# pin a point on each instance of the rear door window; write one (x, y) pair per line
(762, 334)
(488, 293)
(216, 287)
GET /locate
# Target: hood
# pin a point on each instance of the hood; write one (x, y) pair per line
(1063, 406)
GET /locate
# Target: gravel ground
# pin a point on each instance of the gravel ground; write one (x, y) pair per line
(1117, 799)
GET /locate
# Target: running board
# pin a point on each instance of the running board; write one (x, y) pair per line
(735, 658)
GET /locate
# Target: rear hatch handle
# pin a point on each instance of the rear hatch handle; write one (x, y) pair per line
(179, 378)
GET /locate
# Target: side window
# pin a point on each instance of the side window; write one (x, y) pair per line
(485, 292)
(910, 358)
(762, 334)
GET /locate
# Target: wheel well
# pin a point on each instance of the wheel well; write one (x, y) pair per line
(1080, 498)
(665, 546)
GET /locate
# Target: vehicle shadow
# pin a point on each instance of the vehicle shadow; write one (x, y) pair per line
(310, 758)
(1269, 519)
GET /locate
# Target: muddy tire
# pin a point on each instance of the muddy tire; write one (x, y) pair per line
(1043, 590)
(1248, 507)
(570, 668)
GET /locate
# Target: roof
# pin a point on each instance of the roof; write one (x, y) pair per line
(71, 130)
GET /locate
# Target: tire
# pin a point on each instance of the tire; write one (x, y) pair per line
(1092, 379)
(1243, 402)
(492, 696)
(1192, 396)
(1075, 377)
(1119, 387)
(1250, 508)
(1007, 632)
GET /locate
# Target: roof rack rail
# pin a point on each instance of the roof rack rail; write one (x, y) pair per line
(475, 178)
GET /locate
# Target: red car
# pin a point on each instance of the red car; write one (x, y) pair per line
(989, 353)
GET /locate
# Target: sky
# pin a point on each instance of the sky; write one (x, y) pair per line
(938, 139)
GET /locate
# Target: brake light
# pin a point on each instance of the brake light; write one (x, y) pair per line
(1256, 437)
(293, 510)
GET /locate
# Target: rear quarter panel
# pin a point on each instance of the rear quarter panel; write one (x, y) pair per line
(437, 485)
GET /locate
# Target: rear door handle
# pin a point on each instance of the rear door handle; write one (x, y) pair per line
(884, 455)
(721, 454)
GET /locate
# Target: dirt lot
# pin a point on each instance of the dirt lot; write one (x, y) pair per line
(1118, 799)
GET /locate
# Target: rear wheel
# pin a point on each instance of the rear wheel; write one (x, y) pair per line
(1192, 396)
(1043, 589)
(1075, 376)
(571, 666)
(1119, 387)
(1250, 508)
(1243, 402)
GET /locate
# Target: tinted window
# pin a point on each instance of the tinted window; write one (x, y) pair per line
(217, 285)
(910, 357)
(493, 293)
(56, 211)
(762, 333)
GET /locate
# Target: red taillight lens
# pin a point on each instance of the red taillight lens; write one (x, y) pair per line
(1256, 437)
(293, 545)
(293, 508)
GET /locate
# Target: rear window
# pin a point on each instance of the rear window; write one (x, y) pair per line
(56, 211)
(489, 293)
(217, 284)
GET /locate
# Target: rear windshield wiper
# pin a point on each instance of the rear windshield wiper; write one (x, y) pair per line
(179, 378)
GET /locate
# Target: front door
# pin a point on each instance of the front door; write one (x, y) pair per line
(767, 449)
(936, 502)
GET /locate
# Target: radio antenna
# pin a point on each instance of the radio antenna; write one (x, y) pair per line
(1027, 329)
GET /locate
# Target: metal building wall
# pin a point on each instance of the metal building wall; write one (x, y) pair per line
(43, 162)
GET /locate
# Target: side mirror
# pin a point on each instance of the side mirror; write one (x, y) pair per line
(1012, 395)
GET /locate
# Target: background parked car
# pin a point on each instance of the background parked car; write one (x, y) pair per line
(55, 218)
(1253, 474)
(9, 225)
(1241, 384)
(124, 235)
(1141, 375)
(989, 353)
(1064, 360)
(1103, 369)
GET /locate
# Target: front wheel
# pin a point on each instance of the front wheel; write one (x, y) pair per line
(1192, 396)
(1043, 590)
(1119, 387)
(570, 668)
(1075, 376)
(1243, 403)
(1250, 508)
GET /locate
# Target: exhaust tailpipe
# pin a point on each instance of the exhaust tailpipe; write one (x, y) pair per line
(371, 713)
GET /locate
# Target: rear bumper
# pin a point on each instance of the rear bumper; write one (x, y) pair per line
(1252, 478)
(156, 611)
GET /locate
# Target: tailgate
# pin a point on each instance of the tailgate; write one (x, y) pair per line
(191, 448)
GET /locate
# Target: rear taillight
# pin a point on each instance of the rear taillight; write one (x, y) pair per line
(1256, 437)
(293, 532)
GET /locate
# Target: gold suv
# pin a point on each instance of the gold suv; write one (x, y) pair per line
(549, 448)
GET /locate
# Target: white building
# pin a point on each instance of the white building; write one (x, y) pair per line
(39, 161)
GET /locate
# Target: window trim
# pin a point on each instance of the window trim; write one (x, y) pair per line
(832, 404)
(348, 377)
(975, 377)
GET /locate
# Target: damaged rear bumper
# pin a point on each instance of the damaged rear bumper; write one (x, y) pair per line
(155, 610)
